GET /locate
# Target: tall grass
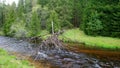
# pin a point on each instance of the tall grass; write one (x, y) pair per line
(7, 61)
(76, 35)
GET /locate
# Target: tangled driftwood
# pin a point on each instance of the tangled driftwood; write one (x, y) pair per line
(51, 42)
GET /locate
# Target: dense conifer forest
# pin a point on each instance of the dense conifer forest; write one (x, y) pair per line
(29, 17)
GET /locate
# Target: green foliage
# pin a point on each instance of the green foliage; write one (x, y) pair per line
(93, 16)
(9, 19)
(77, 12)
(21, 8)
(1, 15)
(42, 2)
(110, 15)
(18, 29)
(60, 12)
(93, 24)
(35, 25)
(56, 22)
(28, 6)
(64, 9)
(102, 18)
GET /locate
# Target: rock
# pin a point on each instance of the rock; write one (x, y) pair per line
(68, 65)
(77, 61)
(57, 57)
(68, 59)
(87, 66)
(86, 58)
(75, 66)
(59, 63)
(82, 61)
(77, 57)
(116, 67)
(104, 65)
(95, 60)
(42, 55)
(97, 66)
(50, 58)
(91, 62)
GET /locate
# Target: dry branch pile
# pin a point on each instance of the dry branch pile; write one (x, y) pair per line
(51, 43)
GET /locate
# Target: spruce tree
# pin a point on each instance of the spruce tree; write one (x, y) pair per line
(9, 19)
(35, 25)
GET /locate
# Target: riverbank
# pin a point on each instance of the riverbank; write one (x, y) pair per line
(9, 61)
(100, 54)
(98, 42)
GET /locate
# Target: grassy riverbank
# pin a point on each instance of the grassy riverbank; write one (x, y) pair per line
(7, 61)
(78, 36)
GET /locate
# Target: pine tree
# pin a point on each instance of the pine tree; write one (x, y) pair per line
(1, 15)
(9, 19)
(28, 6)
(63, 9)
(53, 19)
(21, 8)
(35, 25)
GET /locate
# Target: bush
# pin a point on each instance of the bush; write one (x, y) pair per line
(18, 29)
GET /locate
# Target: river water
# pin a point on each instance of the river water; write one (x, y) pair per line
(54, 58)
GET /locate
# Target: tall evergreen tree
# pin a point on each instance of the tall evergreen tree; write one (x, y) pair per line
(28, 6)
(2, 13)
(21, 8)
(55, 21)
(35, 25)
(9, 18)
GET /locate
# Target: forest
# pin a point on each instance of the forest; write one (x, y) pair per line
(83, 24)
(29, 17)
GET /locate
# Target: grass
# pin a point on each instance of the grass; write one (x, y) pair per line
(7, 61)
(76, 35)
(44, 34)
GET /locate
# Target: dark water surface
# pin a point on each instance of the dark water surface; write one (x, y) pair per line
(74, 57)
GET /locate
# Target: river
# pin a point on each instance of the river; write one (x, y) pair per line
(75, 57)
